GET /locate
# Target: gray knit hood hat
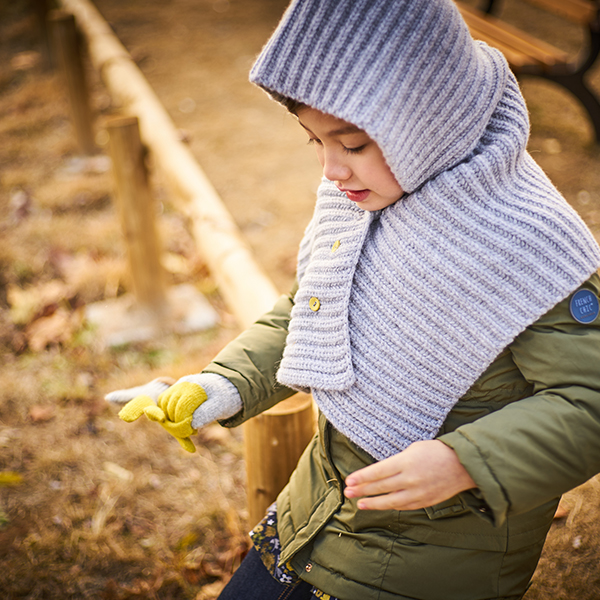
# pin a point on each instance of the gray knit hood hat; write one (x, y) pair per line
(407, 72)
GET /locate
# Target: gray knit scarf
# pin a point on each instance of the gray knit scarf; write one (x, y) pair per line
(415, 301)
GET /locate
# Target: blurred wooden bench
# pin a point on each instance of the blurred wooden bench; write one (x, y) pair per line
(529, 55)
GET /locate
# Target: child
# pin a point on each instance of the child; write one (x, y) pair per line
(445, 321)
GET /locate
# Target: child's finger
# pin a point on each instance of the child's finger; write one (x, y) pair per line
(377, 471)
(181, 400)
(194, 396)
(154, 413)
(187, 444)
(134, 409)
(377, 487)
(182, 429)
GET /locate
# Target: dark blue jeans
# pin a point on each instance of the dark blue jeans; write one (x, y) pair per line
(252, 581)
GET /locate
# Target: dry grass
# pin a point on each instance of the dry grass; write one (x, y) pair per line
(91, 507)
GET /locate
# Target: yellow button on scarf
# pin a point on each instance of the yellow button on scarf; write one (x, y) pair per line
(314, 304)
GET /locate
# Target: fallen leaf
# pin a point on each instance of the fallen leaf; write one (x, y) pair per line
(10, 335)
(41, 414)
(117, 471)
(56, 329)
(23, 304)
(175, 263)
(211, 590)
(10, 478)
(91, 279)
(192, 574)
(20, 204)
(10, 536)
(24, 61)
(41, 300)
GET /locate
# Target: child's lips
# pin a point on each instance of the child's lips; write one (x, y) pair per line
(356, 195)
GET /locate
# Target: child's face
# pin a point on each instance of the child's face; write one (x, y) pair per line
(351, 159)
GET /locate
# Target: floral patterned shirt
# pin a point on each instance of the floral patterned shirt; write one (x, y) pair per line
(266, 542)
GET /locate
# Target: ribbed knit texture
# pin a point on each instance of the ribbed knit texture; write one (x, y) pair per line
(418, 299)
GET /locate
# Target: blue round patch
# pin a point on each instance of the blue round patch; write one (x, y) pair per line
(584, 306)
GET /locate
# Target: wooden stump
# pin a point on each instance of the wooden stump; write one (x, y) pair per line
(274, 441)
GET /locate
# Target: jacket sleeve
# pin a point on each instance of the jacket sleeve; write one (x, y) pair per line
(251, 360)
(535, 449)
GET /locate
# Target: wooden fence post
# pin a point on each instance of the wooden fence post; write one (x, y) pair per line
(41, 10)
(67, 48)
(137, 212)
(273, 443)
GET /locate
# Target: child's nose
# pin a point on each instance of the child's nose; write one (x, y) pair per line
(335, 169)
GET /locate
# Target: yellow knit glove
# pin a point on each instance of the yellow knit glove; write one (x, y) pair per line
(174, 412)
(178, 403)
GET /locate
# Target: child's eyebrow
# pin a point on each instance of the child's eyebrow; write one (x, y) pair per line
(345, 130)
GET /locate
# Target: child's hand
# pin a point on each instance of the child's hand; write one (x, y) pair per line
(174, 412)
(424, 474)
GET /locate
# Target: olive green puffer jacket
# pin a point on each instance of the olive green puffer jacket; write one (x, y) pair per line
(527, 431)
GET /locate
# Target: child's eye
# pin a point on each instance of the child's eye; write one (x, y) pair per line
(315, 141)
(356, 150)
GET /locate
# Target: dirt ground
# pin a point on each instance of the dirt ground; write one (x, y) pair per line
(91, 507)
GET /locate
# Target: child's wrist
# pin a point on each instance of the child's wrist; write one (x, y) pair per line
(223, 399)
